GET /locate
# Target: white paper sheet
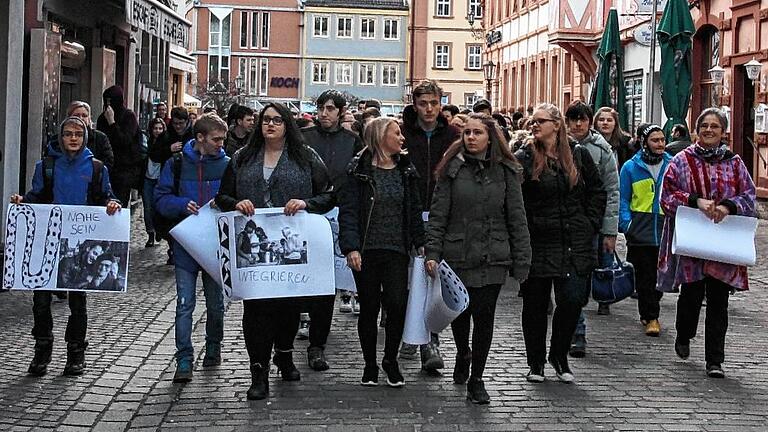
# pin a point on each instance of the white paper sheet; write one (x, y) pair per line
(197, 234)
(731, 241)
(415, 331)
(68, 248)
(344, 278)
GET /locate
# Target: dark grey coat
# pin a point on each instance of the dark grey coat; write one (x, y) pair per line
(477, 222)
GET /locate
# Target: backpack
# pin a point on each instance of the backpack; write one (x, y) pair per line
(163, 225)
(95, 195)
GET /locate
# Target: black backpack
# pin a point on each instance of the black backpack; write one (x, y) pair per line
(163, 225)
(95, 195)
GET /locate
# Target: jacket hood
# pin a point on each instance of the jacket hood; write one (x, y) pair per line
(595, 138)
(57, 144)
(115, 96)
(193, 155)
(410, 119)
(54, 151)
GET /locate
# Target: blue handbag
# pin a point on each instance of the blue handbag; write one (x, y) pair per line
(615, 283)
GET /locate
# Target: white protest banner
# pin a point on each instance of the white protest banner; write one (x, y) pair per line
(61, 247)
(447, 298)
(731, 241)
(198, 236)
(270, 255)
(344, 278)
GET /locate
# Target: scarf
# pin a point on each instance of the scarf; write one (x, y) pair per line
(649, 157)
(710, 155)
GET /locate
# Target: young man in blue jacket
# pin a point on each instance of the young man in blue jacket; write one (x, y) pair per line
(70, 182)
(202, 163)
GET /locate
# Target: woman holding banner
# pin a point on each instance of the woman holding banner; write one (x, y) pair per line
(477, 225)
(275, 169)
(713, 179)
(564, 203)
(379, 222)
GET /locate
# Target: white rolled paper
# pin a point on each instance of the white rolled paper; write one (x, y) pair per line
(415, 331)
(731, 241)
(198, 235)
(447, 299)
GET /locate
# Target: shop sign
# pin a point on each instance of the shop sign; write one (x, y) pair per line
(281, 82)
(159, 20)
(646, 6)
(643, 34)
(493, 37)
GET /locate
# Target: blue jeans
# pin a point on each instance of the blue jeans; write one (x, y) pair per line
(147, 201)
(186, 282)
(603, 260)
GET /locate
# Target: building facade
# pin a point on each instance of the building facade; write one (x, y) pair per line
(444, 48)
(357, 46)
(251, 48)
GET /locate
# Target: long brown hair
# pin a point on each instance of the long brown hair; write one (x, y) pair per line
(618, 133)
(564, 154)
(497, 144)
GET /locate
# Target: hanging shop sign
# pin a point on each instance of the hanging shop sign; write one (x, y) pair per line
(159, 20)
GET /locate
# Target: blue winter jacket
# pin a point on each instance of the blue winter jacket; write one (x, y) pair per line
(199, 182)
(641, 218)
(71, 177)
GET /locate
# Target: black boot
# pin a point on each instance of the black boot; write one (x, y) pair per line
(259, 382)
(39, 364)
(476, 392)
(284, 363)
(75, 358)
(461, 368)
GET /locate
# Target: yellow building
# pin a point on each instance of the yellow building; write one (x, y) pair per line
(442, 47)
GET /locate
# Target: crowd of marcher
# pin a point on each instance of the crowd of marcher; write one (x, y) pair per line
(539, 195)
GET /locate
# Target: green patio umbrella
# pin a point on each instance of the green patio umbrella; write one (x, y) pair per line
(608, 90)
(675, 34)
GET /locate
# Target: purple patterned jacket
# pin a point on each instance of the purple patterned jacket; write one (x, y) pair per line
(688, 178)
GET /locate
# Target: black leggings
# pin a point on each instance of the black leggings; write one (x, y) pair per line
(482, 310)
(76, 324)
(716, 321)
(381, 281)
(268, 323)
(645, 259)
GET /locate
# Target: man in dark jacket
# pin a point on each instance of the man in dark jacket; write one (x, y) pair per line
(336, 147)
(427, 136)
(681, 139)
(174, 138)
(238, 135)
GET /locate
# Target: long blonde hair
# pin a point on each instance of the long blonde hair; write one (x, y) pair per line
(562, 145)
(373, 135)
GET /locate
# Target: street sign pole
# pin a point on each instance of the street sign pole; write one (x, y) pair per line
(651, 96)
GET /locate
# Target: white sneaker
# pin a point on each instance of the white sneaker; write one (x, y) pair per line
(355, 306)
(346, 305)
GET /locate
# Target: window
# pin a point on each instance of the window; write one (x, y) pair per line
(319, 73)
(367, 74)
(367, 28)
(391, 29)
(263, 76)
(220, 31)
(344, 28)
(470, 99)
(320, 28)
(265, 30)
(242, 72)
(389, 75)
(343, 73)
(442, 56)
(254, 30)
(710, 57)
(224, 70)
(253, 77)
(474, 57)
(443, 8)
(244, 29)
(213, 68)
(633, 83)
(475, 8)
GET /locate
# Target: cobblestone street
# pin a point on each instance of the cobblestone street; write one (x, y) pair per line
(626, 382)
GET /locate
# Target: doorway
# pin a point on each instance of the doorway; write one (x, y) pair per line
(743, 121)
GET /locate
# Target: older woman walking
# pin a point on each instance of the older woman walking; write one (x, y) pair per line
(477, 225)
(715, 180)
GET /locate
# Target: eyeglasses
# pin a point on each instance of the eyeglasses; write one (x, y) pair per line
(713, 126)
(69, 134)
(540, 121)
(277, 121)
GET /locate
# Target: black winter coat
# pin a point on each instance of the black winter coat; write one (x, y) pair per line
(563, 222)
(160, 152)
(358, 197)
(336, 148)
(425, 153)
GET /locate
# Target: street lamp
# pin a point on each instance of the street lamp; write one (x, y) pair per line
(489, 72)
(753, 69)
(717, 73)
